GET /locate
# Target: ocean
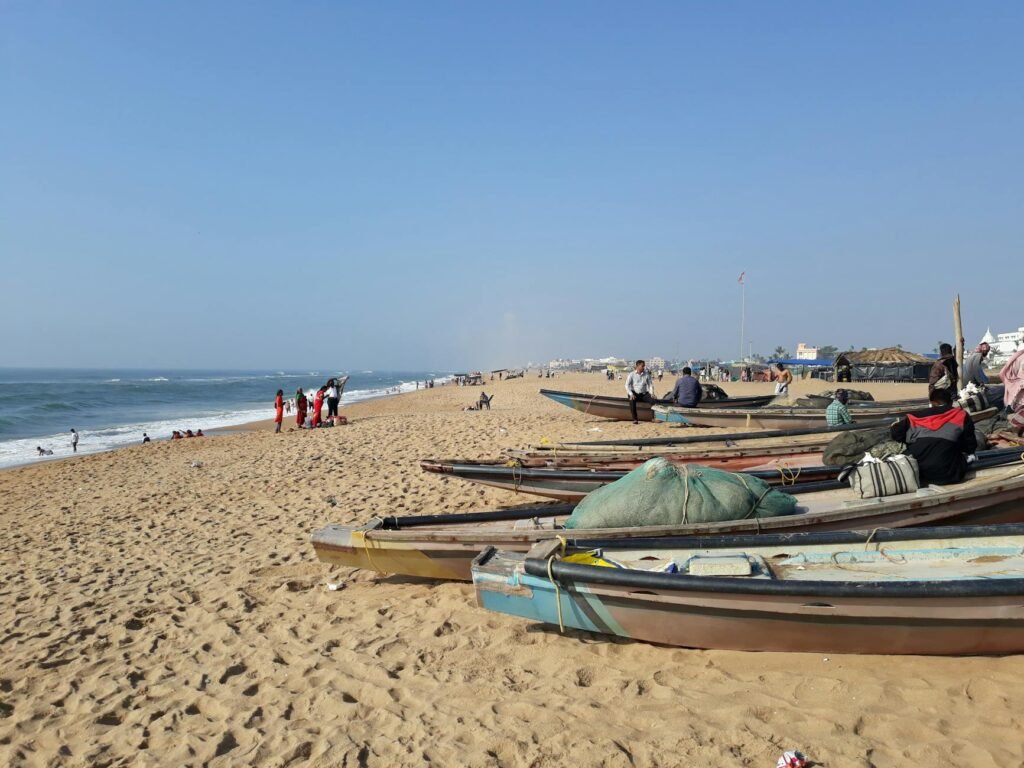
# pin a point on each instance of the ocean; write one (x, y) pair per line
(112, 408)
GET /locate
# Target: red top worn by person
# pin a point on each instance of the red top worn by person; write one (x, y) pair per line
(318, 406)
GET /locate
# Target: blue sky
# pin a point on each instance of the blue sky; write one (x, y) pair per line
(452, 184)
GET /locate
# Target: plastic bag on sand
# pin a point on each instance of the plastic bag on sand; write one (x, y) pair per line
(660, 493)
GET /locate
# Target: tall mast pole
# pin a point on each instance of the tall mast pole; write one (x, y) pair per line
(743, 309)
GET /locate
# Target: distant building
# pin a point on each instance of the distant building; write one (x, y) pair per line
(1004, 344)
(656, 364)
(804, 352)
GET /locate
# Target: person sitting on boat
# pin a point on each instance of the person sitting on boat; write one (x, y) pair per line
(639, 387)
(837, 413)
(974, 366)
(687, 391)
(943, 374)
(941, 438)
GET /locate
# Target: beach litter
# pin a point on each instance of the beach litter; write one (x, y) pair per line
(334, 586)
(792, 759)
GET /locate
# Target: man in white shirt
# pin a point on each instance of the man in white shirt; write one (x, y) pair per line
(639, 386)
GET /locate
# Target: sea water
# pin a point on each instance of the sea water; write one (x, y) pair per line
(112, 408)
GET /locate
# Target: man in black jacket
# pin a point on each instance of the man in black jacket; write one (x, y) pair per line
(941, 438)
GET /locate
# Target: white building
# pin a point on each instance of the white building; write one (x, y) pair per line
(1003, 344)
(656, 364)
(804, 352)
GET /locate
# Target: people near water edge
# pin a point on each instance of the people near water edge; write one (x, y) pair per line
(278, 410)
(687, 392)
(333, 398)
(783, 379)
(74, 440)
(43, 451)
(944, 371)
(145, 438)
(1012, 376)
(974, 366)
(639, 388)
(300, 408)
(837, 413)
(318, 406)
(941, 438)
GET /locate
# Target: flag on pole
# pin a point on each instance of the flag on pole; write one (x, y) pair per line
(742, 279)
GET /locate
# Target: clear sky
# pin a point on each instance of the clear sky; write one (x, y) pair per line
(453, 184)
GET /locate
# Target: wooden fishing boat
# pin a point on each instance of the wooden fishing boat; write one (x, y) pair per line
(443, 546)
(936, 591)
(731, 457)
(762, 437)
(771, 418)
(573, 483)
(617, 408)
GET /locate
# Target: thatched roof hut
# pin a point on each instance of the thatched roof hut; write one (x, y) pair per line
(887, 364)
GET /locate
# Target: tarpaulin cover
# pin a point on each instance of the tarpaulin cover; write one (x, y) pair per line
(661, 493)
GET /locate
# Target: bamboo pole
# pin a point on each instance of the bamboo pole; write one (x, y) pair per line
(958, 330)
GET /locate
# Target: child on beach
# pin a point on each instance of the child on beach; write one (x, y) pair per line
(74, 441)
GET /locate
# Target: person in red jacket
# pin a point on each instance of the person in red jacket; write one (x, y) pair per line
(941, 438)
(278, 410)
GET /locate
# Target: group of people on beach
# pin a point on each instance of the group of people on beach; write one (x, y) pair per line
(178, 434)
(307, 417)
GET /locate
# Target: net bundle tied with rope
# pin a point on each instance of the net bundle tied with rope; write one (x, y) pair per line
(661, 493)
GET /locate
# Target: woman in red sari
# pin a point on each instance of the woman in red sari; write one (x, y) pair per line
(278, 410)
(300, 408)
(318, 406)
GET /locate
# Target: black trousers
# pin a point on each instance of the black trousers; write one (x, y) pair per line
(644, 398)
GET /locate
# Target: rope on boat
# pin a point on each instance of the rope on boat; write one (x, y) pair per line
(369, 559)
(789, 474)
(558, 593)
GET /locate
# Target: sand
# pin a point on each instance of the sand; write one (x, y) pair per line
(161, 605)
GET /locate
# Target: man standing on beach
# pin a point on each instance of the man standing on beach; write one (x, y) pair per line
(783, 379)
(687, 391)
(74, 441)
(639, 387)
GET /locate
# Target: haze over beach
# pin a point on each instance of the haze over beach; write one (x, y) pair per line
(205, 204)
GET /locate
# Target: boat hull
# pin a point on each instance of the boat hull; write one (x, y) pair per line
(770, 418)
(617, 408)
(954, 600)
(443, 546)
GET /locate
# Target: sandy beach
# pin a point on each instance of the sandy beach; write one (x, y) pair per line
(162, 605)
